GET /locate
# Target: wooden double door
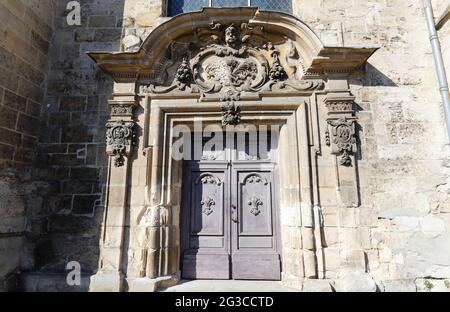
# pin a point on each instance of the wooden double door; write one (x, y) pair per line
(230, 227)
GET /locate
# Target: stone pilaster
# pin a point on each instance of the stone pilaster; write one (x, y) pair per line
(119, 136)
(341, 137)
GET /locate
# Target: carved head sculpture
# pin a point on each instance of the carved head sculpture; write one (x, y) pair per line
(231, 36)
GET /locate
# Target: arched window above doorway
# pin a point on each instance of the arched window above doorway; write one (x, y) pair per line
(182, 6)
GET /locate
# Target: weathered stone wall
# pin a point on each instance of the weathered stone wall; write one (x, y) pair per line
(71, 150)
(72, 144)
(444, 32)
(403, 224)
(26, 30)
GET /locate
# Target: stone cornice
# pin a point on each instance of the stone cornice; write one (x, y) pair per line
(318, 61)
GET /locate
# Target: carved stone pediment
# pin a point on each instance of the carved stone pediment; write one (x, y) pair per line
(229, 60)
(275, 41)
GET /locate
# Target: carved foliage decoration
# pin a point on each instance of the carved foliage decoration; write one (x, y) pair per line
(208, 179)
(255, 178)
(341, 136)
(231, 114)
(184, 77)
(119, 135)
(277, 72)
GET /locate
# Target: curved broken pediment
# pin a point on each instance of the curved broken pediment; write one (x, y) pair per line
(230, 51)
(229, 60)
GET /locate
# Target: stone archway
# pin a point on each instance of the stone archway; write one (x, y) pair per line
(225, 66)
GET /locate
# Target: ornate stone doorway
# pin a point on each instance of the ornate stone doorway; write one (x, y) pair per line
(230, 218)
(232, 67)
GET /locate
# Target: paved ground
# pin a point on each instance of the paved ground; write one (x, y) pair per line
(229, 286)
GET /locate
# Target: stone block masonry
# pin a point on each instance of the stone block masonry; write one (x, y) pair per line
(404, 158)
(27, 30)
(72, 151)
(72, 143)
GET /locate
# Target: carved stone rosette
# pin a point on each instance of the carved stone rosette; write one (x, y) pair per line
(341, 128)
(119, 136)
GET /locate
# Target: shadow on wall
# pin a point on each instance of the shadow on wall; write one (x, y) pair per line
(372, 78)
(71, 159)
(375, 78)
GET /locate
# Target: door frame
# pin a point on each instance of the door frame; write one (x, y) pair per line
(294, 114)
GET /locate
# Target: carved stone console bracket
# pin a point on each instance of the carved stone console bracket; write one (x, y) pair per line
(119, 138)
(120, 127)
(341, 128)
(341, 136)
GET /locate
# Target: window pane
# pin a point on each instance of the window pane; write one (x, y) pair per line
(182, 6)
(273, 5)
(229, 3)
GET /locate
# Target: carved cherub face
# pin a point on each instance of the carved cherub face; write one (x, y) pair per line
(231, 36)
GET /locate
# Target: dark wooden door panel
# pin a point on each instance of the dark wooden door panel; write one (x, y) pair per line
(255, 248)
(255, 203)
(206, 266)
(205, 233)
(230, 220)
(257, 267)
(207, 204)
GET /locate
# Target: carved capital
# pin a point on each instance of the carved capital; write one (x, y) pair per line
(340, 105)
(119, 137)
(121, 109)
